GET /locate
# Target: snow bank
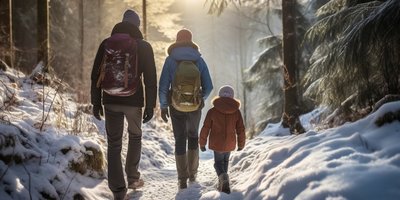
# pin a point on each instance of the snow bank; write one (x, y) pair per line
(63, 156)
(355, 161)
(42, 153)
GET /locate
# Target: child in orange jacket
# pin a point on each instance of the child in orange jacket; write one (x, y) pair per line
(224, 127)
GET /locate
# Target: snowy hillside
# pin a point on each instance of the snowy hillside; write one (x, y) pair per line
(43, 154)
(63, 156)
(355, 161)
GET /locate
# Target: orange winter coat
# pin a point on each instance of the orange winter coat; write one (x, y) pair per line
(223, 126)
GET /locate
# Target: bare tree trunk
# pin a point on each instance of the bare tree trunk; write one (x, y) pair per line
(144, 7)
(242, 62)
(290, 116)
(99, 20)
(82, 82)
(6, 36)
(82, 35)
(43, 32)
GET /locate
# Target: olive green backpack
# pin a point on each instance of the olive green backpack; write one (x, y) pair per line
(186, 92)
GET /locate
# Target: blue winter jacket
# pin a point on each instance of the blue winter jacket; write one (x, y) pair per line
(168, 72)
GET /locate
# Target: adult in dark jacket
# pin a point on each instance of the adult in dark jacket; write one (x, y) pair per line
(185, 124)
(130, 107)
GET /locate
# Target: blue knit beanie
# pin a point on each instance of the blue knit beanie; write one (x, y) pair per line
(131, 17)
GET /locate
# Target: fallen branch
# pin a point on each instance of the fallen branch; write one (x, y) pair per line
(68, 186)
(29, 187)
(12, 98)
(44, 118)
(5, 172)
(386, 99)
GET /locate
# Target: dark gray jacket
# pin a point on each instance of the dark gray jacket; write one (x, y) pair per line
(147, 70)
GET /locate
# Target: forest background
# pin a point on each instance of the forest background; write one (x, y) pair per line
(241, 42)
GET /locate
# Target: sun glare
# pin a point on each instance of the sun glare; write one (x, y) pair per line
(191, 3)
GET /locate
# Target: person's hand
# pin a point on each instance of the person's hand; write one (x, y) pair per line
(164, 114)
(239, 148)
(201, 104)
(203, 149)
(98, 111)
(148, 114)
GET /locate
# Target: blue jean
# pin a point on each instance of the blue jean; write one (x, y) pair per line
(185, 126)
(221, 162)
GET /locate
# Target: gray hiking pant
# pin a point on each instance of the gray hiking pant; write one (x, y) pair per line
(115, 115)
(185, 126)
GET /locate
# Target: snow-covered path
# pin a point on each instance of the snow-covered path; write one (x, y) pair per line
(162, 184)
(159, 171)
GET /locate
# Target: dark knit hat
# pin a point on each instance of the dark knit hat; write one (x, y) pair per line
(131, 17)
(226, 91)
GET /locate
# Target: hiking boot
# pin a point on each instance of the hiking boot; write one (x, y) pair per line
(225, 188)
(136, 184)
(182, 169)
(192, 179)
(220, 182)
(193, 163)
(182, 183)
(120, 195)
(223, 183)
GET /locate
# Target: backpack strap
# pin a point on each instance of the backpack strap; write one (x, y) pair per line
(102, 71)
(126, 65)
(137, 59)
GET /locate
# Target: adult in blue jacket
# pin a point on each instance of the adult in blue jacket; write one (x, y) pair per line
(185, 125)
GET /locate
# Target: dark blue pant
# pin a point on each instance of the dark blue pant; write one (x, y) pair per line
(221, 162)
(185, 126)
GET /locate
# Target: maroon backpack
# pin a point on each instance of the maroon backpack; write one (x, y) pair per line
(119, 74)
